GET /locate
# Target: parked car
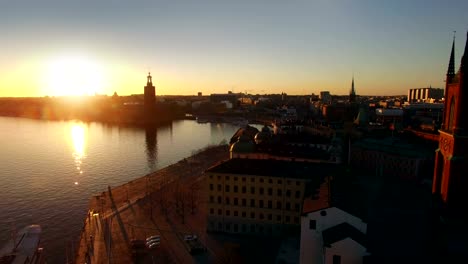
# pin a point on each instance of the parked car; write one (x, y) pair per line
(153, 238)
(190, 237)
(153, 244)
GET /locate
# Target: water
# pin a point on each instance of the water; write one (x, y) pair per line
(50, 169)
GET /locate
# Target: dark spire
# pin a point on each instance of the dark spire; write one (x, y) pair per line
(465, 56)
(352, 93)
(451, 67)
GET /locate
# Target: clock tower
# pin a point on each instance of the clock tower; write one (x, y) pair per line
(450, 182)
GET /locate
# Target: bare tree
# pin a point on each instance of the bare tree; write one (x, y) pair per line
(193, 197)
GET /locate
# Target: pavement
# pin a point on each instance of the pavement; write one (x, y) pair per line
(169, 202)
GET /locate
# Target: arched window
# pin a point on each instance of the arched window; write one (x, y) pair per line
(451, 114)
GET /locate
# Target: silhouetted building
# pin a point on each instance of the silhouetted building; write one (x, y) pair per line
(425, 94)
(392, 158)
(451, 166)
(325, 97)
(352, 93)
(150, 93)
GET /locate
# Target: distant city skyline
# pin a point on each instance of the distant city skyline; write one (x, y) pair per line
(53, 47)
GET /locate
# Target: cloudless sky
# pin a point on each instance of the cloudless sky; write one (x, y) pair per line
(57, 47)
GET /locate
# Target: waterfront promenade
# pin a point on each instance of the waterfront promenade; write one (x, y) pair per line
(169, 202)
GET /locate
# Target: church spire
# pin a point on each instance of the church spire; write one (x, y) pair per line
(463, 66)
(352, 93)
(451, 67)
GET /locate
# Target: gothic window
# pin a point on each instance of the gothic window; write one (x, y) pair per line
(451, 114)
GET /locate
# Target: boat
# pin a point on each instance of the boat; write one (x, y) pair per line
(23, 247)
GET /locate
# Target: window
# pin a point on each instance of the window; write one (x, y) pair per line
(211, 211)
(288, 182)
(262, 216)
(261, 179)
(244, 214)
(280, 182)
(270, 205)
(243, 179)
(220, 226)
(252, 215)
(288, 193)
(211, 198)
(244, 228)
(279, 192)
(236, 213)
(252, 228)
(236, 228)
(228, 226)
(244, 202)
(252, 179)
(235, 201)
(227, 178)
(296, 220)
(219, 177)
(235, 178)
(312, 224)
(227, 188)
(288, 206)
(261, 190)
(252, 202)
(270, 181)
(220, 212)
(298, 183)
(336, 259)
(227, 200)
(236, 189)
(278, 218)
(211, 176)
(270, 217)
(287, 219)
(297, 207)
(228, 213)
(220, 187)
(270, 191)
(211, 187)
(252, 190)
(244, 189)
(278, 205)
(451, 115)
(220, 199)
(298, 194)
(261, 203)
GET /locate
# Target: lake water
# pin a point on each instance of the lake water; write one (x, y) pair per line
(50, 169)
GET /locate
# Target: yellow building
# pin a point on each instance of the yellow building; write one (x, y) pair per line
(252, 196)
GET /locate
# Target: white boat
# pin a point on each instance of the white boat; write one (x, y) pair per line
(23, 248)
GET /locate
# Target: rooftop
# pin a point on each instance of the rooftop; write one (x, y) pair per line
(275, 168)
(342, 231)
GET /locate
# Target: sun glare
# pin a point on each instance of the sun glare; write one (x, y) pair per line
(73, 75)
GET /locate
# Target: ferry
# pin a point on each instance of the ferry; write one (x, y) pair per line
(23, 248)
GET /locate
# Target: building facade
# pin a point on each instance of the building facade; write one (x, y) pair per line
(260, 197)
(425, 94)
(450, 181)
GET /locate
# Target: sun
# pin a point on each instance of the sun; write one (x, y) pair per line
(72, 75)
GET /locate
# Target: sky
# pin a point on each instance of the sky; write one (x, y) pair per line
(64, 47)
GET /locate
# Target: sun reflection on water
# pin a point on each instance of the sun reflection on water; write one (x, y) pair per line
(78, 140)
